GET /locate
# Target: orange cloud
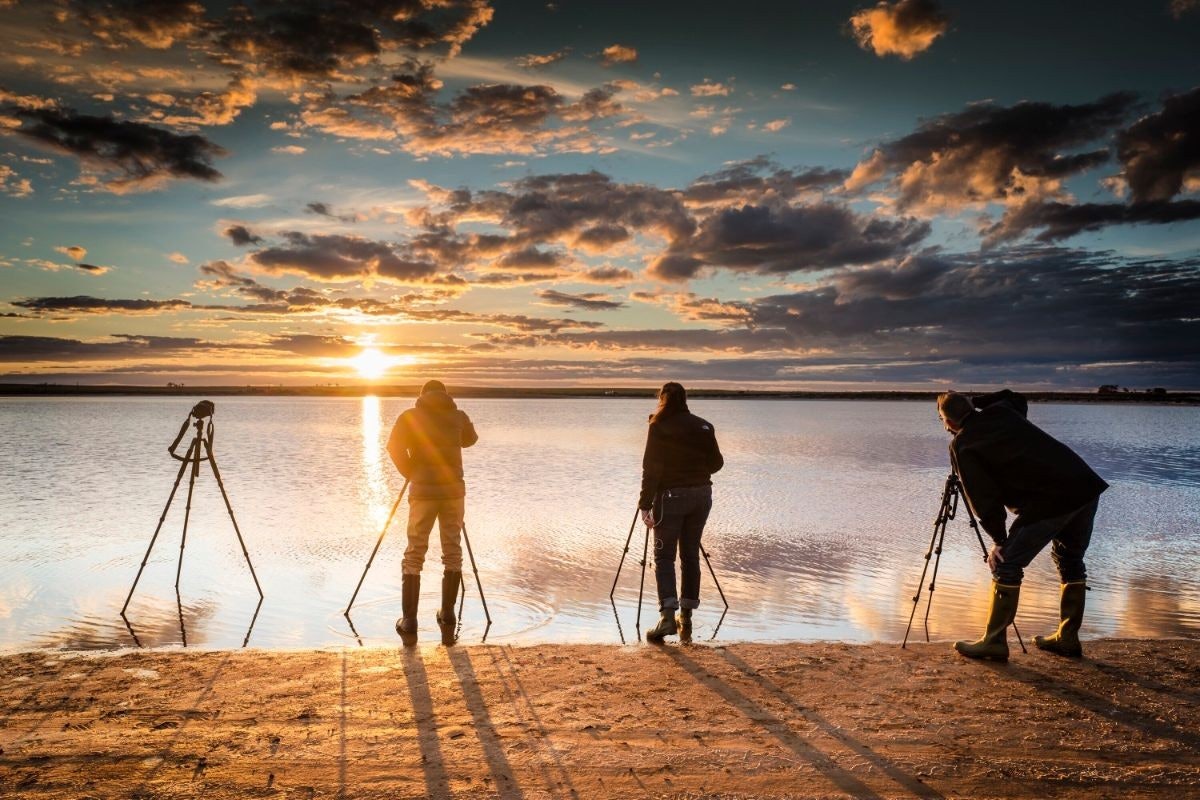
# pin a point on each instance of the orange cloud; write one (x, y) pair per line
(903, 29)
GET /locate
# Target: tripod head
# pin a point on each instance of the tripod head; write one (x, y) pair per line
(201, 413)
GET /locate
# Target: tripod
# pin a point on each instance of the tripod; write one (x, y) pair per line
(200, 449)
(642, 584)
(946, 512)
(463, 585)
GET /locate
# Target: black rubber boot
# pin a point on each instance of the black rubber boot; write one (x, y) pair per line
(684, 621)
(666, 626)
(994, 644)
(1065, 641)
(445, 615)
(410, 596)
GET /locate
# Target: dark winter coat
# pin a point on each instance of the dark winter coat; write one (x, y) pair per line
(426, 446)
(1005, 461)
(681, 450)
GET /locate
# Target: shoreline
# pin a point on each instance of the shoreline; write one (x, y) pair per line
(546, 393)
(596, 721)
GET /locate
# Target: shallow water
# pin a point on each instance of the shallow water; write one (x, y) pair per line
(821, 519)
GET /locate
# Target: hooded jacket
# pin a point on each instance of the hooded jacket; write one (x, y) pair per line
(681, 450)
(1005, 461)
(426, 446)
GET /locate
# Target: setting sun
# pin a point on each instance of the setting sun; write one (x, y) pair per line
(371, 363)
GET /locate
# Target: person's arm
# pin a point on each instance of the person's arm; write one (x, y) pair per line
(469, 436)
(981, 492)
(397, 446)
(652, 468)
(715, 459)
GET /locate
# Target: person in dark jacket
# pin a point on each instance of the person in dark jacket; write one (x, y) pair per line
(1005, 461)
(426, 446)
(681, 456)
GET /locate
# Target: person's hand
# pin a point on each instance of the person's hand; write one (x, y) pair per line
(995, 558)
(648, 517)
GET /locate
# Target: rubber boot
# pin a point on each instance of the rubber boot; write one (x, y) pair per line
(666, 626)
(410, 595)
(684, 622)
(994, 644)
(1065, 641)
(445, 615)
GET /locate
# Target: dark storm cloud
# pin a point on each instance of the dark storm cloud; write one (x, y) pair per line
(785, 239)
(903, 28)
(242, 236)
(340, 258)
(990, 153)
(131, 155)
(1160, 152)
(588, 301)
(1057, 221)
(98, 305)
(759, 180)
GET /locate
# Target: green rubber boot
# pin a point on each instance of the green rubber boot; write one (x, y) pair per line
(666, 627)
(994, 644)
(1065, 641)
(446, 620)
(410, 594)
(684, 622)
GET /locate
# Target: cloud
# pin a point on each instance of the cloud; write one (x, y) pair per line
(156, 24)
(776, 125)
(1180, 7)
(177, 258)
(325, 210)
(989, 153)
(26, 349)
(130, 156)
(336, 258)
(13, 185)
(618, 54)
(784, 239)
(607, 275)
(588, 301)
(1160, 152)
(534, 61)
(241, 236)
(760, 180)
(903, 28)
(87, 304)
(708, 88)
(244, 201)
(74, 251)
(1057, 221)
(289, 149)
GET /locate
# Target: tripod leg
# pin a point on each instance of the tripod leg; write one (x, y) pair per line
(937, 560)
(378, 542)
(161, 519)
(187, 512)
(939, 524)
(475, 569)
(628, 539)
(637, 626)
(704, 553)
(212, 460)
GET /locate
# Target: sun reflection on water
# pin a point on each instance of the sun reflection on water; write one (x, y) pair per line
(376, 493)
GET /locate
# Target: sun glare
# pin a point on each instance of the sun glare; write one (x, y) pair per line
(371, 363)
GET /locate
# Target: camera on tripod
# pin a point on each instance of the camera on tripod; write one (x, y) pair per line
(204, 408)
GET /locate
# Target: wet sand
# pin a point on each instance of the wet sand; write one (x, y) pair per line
(595, 721)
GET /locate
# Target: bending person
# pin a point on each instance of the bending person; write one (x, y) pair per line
(426, 446)
(1003, 460)
(681, 456)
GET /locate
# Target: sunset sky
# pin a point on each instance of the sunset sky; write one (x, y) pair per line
(913, 194)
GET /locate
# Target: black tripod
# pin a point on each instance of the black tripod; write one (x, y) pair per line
(642, 583)
(949, 508)
(201, 449)
(462, 584)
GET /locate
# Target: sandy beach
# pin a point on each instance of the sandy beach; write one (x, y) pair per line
(589, 721)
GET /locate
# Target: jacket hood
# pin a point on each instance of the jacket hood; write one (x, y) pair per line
(436, 401)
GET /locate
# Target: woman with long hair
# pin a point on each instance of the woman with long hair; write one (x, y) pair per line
(681, 456)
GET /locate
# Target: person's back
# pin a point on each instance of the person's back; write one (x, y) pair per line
(426, 446)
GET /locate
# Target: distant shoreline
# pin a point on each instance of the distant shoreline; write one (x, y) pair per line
(518, 392)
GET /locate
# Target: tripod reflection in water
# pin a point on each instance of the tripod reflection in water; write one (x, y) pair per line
(137, 640)
(200, 449)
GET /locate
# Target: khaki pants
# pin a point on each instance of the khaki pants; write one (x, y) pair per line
(448, 513)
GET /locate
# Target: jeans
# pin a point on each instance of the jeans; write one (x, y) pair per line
(448, 513)
(681, 515)
(1070, 533)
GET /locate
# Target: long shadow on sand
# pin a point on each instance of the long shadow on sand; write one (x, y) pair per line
(840, 777)
(437, 782)
(1101, 706)
(909, 782)
(502, 775)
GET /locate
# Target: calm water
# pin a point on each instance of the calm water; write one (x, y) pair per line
(821, 519)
